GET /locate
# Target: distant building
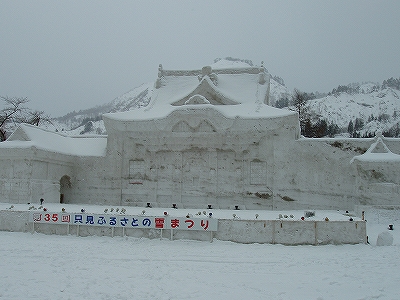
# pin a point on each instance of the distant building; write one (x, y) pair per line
(207, 137)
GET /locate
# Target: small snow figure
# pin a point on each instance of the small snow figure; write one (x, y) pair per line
(41, 201)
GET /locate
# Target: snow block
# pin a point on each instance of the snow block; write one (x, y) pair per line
(384, 239)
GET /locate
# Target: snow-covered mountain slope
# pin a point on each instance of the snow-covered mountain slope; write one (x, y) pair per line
(278, 91)
(378, 107)
(89, 121)
(135, 98)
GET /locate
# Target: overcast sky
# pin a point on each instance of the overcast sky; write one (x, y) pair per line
(72, 55)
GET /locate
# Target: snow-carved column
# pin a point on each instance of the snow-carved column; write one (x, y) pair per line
(160, 77)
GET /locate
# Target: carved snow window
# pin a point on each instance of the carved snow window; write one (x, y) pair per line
(258, 172)
(136, 168)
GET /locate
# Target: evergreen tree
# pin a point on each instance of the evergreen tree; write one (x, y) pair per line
(350, 128)
(358, 124)
(308, 130)
(333, 129)
(371, 118)
(321, 128)
(282, 102)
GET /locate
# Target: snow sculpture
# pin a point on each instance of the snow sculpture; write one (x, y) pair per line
(261, 75)
(198, 144)
(160, 70)
(377, 171)
(264, 78)
(207, 71)
(158, 83)
(197, 99)
(384, 239)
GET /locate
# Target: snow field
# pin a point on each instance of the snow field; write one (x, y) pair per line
(37, 266)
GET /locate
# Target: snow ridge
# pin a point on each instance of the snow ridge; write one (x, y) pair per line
(377, 106)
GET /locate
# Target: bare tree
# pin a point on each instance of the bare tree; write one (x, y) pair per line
(299, 104)
(36, 117)
(16, 112)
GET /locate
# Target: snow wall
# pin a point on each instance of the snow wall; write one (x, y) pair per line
(240, 231)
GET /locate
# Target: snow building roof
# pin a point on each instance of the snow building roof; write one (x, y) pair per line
(26, 136)
(234, 92)
(378, 152)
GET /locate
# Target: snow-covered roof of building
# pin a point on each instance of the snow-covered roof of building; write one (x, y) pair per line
(377, 152)
(233, 91)
(26, 136)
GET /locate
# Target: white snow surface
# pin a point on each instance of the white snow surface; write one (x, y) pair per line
(378, 157)
(244, 89)
(227, 64)
(385, 155)
(27, 136)
(37, 266)
(343, 107)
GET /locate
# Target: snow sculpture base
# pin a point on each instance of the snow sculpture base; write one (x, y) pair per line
(241, 226)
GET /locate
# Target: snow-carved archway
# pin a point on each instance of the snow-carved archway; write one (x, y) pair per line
(65, 189)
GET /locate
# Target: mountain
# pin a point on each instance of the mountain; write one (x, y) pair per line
(376, 107)
(89, 121)
(373, 106)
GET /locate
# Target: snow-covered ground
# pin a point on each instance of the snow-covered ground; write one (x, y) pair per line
(37, 266)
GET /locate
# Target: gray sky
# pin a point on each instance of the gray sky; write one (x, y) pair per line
(72, 55)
